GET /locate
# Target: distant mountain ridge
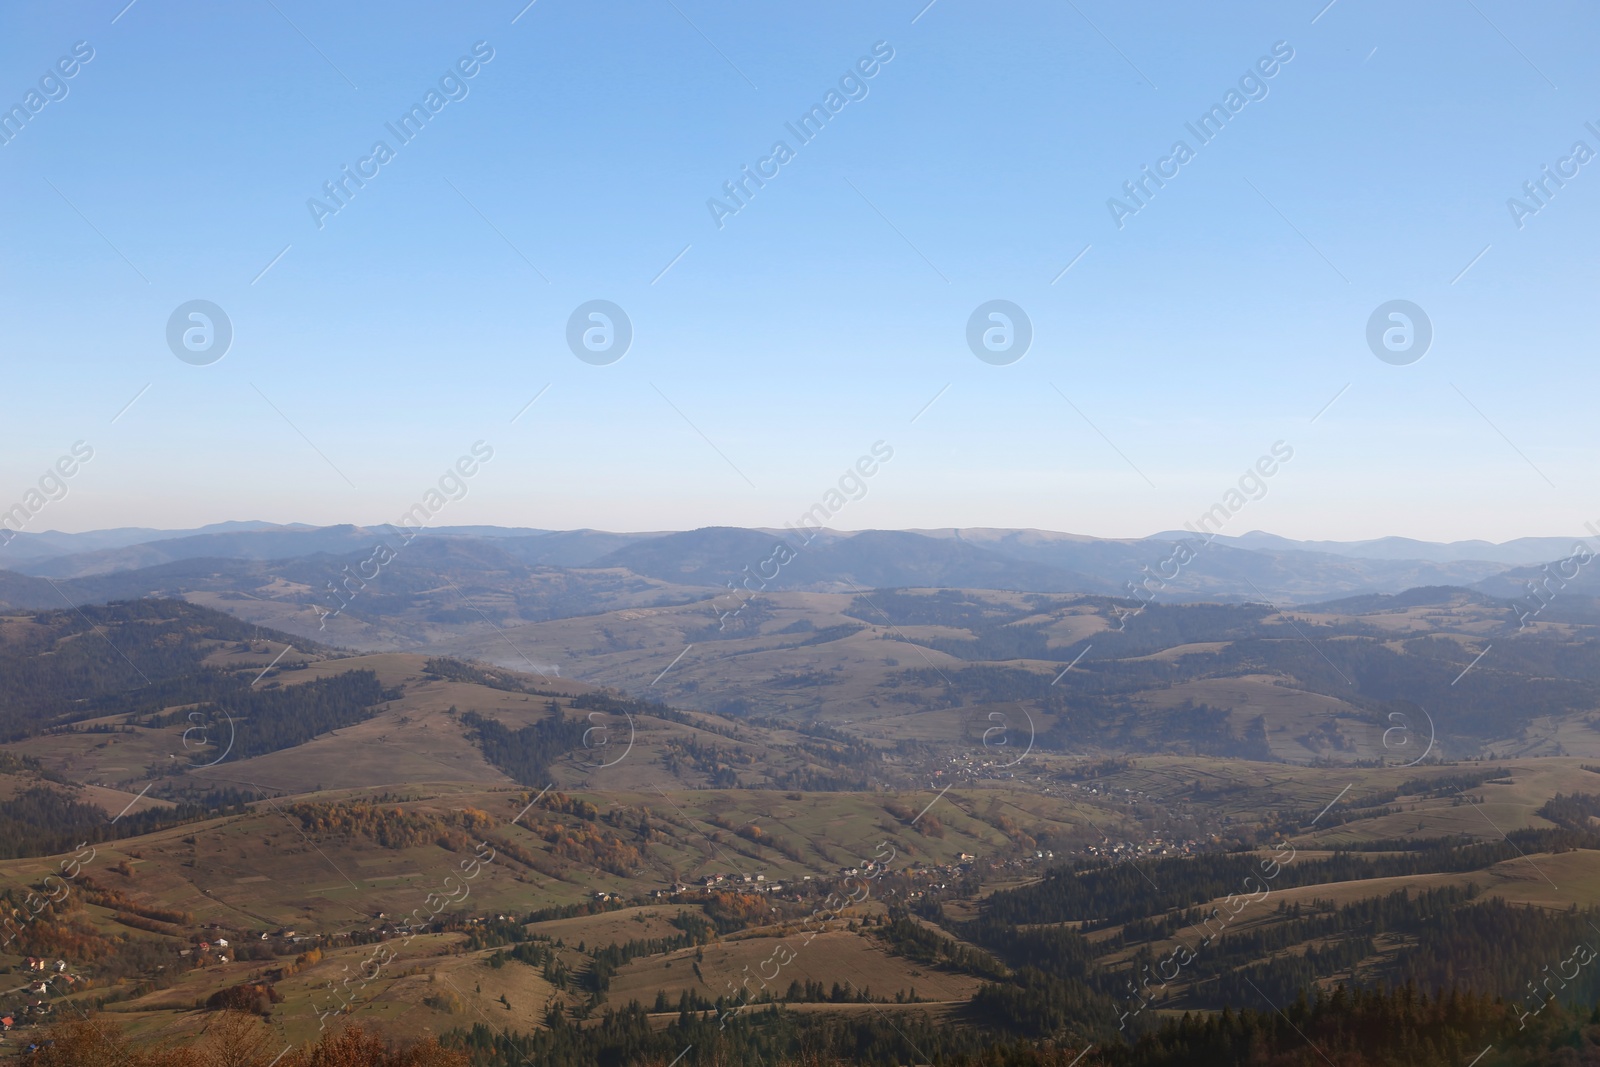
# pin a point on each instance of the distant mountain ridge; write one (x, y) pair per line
(1518, 552)
(1251, 567)
(52, 543)
(56, 555)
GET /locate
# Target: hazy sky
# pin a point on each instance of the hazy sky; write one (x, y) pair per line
(773, 346)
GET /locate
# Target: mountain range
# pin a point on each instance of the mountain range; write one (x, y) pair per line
(1255, 566)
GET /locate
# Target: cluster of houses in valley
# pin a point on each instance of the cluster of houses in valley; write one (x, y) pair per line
(934, 875)
(44, 978)
(1153, 846)
(752, 883)
(744, 883)
(41, 975)
(203, 949)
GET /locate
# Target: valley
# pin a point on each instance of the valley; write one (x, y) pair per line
(928, 815)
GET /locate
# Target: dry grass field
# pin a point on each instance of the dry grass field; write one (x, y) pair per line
(857, 963)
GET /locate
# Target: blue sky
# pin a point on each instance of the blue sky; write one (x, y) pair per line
(824, 316)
